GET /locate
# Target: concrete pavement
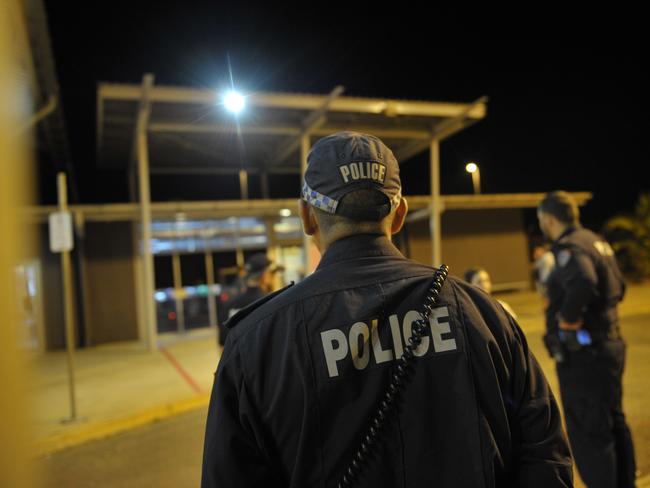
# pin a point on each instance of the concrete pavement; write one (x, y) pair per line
(119, 387)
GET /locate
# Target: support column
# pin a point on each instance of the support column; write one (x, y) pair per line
(306, 240)
(68, 303)
(239, 252)
(178, 293)
(243, 184)
(273, 249)
(436, 203)
(138, 280)
(209, 278)
(145, 213)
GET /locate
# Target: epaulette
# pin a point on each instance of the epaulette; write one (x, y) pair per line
(247, 310)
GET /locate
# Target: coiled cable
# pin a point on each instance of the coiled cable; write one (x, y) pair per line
(397, 384)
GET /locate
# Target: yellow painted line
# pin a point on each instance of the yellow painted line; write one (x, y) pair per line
(99, 430)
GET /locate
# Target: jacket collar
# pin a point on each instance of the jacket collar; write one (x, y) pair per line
(358, 246)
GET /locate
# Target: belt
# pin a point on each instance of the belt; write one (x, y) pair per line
(612, 334)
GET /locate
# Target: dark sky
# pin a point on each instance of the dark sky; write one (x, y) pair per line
(562, 115)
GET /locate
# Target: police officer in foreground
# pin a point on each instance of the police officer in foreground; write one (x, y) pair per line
(583, 335)
(304, 370)
(259, 275)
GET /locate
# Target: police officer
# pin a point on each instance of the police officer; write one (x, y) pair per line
(259, 275)
(478, 276)
(584, 335)
(303, 370)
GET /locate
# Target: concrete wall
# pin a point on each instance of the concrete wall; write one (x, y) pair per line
(110, 282)
(493, 239)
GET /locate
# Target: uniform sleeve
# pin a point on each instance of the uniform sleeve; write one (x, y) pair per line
(579, 280)
(231, 454)
(540, 448)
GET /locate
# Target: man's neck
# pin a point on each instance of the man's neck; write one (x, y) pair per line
(560, 231)
(327, 240)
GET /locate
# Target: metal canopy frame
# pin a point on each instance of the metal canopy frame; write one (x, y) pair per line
(418, 207)
(176, 130)
(191, 121)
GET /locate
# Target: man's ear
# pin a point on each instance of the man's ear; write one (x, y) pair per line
(307, 217)
(400, 216)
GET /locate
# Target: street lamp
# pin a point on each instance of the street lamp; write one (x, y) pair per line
(234, 101)
(472, 168)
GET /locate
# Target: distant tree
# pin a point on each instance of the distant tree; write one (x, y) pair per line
(630, 238)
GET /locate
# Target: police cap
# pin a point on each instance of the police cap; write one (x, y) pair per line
(347, 161)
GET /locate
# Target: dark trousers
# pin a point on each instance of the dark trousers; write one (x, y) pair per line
(591, 389)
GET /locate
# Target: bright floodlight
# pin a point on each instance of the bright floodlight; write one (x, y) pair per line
(234, 102)
(471, 167)
(285, 212)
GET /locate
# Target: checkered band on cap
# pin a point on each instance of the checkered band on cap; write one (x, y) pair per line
(319, 200)
(328, 204)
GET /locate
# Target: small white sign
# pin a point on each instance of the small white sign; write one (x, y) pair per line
(61, 232)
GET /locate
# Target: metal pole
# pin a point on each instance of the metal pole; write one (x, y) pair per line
(273, 249)
(178, 289)
(436, 210)
(243, 184)
(138, 280)
(476, 181)
(209, 277)
(68, 305)
(240, 256)
(145, 217)
(306, 243)
(239, 253)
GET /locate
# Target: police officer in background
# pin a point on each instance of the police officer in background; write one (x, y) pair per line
(258, 280)
(303, 370)
(583, 334)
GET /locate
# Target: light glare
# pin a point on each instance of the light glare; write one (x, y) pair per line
(234, 102)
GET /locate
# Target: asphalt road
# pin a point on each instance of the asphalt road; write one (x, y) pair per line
(167, 454)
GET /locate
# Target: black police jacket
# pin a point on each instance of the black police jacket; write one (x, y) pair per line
(303, 371)
(586, 283)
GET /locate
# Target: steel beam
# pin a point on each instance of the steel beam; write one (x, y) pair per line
(312, 122)
(392, 108)
(444, 129)
(109, 212)
(284, 130)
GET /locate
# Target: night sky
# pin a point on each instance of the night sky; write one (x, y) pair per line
(561, 115)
